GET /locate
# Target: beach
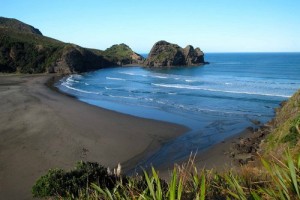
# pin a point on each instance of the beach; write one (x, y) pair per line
(42, 129)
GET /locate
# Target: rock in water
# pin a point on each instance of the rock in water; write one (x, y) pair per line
(193, 56)
(167, 54)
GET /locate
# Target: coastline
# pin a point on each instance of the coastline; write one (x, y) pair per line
(217, 157)
(42, 129)
(69, 130)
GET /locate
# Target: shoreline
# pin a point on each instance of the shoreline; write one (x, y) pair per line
(217, 157)
(42, 129)
(71, 144)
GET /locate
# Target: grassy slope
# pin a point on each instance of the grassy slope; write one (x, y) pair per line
(285, 133)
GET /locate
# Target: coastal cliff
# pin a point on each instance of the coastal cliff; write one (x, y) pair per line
(74, 58)
(167, 54)
(24, 49)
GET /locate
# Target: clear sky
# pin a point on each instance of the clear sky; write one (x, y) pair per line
(212, 25)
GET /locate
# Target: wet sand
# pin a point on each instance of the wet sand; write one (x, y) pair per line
(41, 128)
(222, 156)
(217, 157)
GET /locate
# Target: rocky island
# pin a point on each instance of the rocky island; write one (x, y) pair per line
(167, 54)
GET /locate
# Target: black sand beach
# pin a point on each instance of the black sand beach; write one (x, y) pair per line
(42, 129)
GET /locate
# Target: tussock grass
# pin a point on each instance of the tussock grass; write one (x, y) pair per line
(286, 130)
(277, 180)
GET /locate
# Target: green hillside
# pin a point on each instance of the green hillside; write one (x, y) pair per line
(18, 26)
(26, 52)
(285, 132)
(23, 49)
(123, 55)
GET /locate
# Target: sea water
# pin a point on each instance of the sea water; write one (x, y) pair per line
(215, 101)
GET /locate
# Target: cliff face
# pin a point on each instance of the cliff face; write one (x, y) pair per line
(166, 54)
(193, 56)
(74, 58)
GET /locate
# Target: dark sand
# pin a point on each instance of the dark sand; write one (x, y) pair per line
(41, 129)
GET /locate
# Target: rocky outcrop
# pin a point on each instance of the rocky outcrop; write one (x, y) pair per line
(167, 54)
(121, 54)
(193, 56)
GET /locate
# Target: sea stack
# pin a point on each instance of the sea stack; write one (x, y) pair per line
(165, 54)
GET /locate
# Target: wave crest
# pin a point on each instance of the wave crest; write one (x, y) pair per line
(116, 79)
(191, 87)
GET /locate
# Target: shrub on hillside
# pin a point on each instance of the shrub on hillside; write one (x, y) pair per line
(58, 182)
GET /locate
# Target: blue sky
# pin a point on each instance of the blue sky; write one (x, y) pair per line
(212, 25)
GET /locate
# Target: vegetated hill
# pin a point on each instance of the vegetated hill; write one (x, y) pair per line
(167, 54)
(18, 26)
(23, 49)
(123, 55)
(285, 133)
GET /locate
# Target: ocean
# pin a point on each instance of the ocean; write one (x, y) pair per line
(214, 101)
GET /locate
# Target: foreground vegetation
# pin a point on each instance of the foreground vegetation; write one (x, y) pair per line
(276, 180)
(286, 129)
